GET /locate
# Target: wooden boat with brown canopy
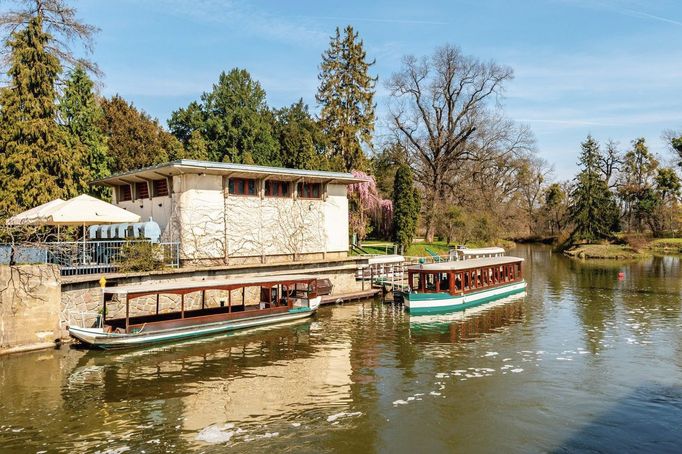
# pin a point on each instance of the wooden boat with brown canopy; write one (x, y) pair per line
(235, 304)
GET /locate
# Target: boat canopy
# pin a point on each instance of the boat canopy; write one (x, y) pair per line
(465, 264)
(181, 285)
(481, 251)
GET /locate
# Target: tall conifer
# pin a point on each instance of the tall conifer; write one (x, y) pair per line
(35, 164)
(81, 115)
(405, 207)
(346, 96)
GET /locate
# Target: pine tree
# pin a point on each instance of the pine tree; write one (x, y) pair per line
(405, 207)
(346, 97)
(81, 115)
(35, 164)
(593, 210)
(637, 182)
(197, 147)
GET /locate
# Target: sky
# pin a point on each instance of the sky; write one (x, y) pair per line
(610, 68)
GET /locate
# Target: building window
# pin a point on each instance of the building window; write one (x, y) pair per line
(242, 186)
(275, 188)
(142, 190)
(124, 193)
(160, 188)
(310, 190)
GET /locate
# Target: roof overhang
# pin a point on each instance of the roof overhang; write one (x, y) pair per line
(188, 166)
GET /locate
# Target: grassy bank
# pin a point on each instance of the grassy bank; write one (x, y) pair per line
(604, 251)
(666, 245)
(418, 249)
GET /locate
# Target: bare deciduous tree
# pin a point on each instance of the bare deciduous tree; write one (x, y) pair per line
(438, 103)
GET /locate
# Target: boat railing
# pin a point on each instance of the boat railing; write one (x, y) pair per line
(90, 257)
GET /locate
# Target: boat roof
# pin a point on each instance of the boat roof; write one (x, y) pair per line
(465, 264)
(386, 259)
(193, 284)
(482, 250)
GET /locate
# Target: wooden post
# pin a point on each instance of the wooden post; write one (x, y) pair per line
(229, 300)
(203, 298)
(127, 312)
(182, 305)
(157, 304)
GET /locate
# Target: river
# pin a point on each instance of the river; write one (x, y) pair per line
(585, 362)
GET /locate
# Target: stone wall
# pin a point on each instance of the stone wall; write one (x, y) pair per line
(82, 297)
(29, 307)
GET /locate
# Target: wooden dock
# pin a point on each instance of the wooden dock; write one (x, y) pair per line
(348, 297)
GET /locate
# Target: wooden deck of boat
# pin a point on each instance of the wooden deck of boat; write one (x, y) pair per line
(348, 297)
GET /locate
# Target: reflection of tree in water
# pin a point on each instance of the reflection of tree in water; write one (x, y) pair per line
(594, 288)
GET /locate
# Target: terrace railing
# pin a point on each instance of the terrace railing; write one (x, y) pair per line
(76, 258)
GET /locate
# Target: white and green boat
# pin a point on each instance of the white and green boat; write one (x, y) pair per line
(455, 286)
(200, 308)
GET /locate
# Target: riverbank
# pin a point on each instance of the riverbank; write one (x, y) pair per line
(419, 248)
(604, 251)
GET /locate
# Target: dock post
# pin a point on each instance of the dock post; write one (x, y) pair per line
(182, 305)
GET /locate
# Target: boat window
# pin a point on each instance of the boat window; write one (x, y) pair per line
(458, 282)
(466, 281)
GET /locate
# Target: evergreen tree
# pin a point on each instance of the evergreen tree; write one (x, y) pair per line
(233, 119)
(637, 183)
(346, 97)
(81, 115)
(405, 207)
(301, 140)
(197, 147)
(135, 139)
(35, 164)
(593, 209)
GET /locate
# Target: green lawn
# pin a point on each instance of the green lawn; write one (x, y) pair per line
(418, 249)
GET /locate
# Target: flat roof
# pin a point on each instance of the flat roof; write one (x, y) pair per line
(192, 284)
(465, 264)
(184, 166)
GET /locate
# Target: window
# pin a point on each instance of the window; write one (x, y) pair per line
(242, 186)
(160, 188)
(275, 188)
(141, 190)
(309, 190)
(124, 193)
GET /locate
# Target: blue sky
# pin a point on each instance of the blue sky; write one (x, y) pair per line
(612, 68)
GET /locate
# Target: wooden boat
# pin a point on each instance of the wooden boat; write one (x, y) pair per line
(454, 286)
(282, 299)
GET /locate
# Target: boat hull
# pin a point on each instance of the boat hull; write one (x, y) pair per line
(431, 303)
(97, 338)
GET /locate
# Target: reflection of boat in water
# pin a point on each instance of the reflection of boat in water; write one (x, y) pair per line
(271, 373)
(455, 286)
(277, 299)
(465, 325)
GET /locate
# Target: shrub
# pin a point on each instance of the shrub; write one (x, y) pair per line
(140, 256)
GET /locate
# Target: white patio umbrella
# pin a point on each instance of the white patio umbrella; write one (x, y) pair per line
(34, 216)
(79, 211)
(86, 210)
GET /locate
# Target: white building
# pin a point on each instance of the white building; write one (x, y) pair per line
(236, 213)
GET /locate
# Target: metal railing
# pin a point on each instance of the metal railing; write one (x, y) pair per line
(90, 257)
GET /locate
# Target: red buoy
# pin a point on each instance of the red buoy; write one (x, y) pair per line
(621, 276)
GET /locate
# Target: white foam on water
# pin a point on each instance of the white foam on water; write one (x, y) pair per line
(434, 393)
(399, 402)
(295, 424)
(487, 354)
(442, 375)
(344, 414)
(517, 370)
(215, 434)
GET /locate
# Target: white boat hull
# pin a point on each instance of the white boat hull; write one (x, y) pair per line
(425, 303)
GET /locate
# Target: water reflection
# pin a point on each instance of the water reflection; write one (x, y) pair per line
(540, 373)
(468, 325)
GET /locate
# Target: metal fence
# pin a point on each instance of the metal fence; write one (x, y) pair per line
(91, 257)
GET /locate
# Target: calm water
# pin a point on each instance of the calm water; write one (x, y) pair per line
(584, 362)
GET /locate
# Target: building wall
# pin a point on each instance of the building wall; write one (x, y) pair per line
(157, 208)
